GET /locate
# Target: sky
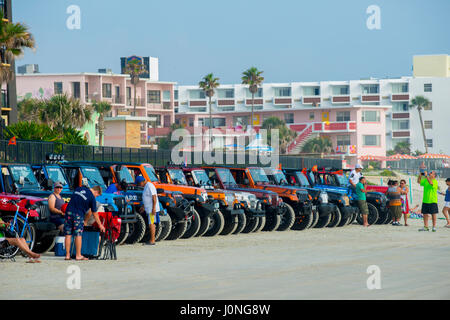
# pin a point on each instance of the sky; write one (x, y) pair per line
(289, 40)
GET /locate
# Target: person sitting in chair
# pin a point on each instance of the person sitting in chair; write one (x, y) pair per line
(21, 243)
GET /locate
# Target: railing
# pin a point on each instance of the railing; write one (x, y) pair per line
(300, 138)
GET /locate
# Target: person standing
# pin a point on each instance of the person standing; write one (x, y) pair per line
(82, 202)
(55, 203)
(354, 177)
(151, 205)
(362, 201)
(446, 210)
(395, 202)
(429, 201)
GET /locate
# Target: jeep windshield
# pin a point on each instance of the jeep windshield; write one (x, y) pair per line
(177, 176)
(24, 177)
(226, 177)
(341, 179)
(276, 176)
(93, 176)
(259, 176)
(125, 174)
(302, 180)
(56, 175)
(201, 178)
(151, 173)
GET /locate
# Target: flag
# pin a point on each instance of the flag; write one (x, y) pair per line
(279, 166)
(12, 141)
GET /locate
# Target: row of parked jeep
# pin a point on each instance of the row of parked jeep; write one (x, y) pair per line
(196, 201)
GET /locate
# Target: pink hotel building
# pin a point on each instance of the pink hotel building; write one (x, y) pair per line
(353, 114)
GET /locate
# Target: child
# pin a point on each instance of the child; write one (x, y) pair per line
(446, 209)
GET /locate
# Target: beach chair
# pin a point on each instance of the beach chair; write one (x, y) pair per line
(108, 239)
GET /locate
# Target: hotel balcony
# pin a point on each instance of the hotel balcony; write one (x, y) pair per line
(311, 100)
(225, 102)
(400, 115)
(340, 99)
(400, 97)
(256, 102)
(282, 101)
(400, 133)
(197, 103)
(140, 102)
(368, 98)
(348, 126)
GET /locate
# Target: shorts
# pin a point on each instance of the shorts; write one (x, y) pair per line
(363, 208)
(430, 208)
(152, 219)
(396, 211)
(447, 204)
(57, 219)
(73, 224)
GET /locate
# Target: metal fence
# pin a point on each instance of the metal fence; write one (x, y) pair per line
(412, 166)
(36, 152)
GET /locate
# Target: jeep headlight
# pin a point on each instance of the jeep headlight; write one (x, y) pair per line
(324, 197)
(203, 196)
(216, 205)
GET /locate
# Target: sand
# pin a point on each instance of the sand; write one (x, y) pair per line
(310, 264)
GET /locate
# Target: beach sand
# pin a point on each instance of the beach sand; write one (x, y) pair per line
(311, 264)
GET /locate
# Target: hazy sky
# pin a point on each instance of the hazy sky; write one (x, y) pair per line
(290, 40)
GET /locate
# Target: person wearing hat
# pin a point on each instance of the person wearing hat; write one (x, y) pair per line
(55, 203)
(354, 177)
(151, 205)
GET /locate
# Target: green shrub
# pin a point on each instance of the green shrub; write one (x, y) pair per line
(387, 173)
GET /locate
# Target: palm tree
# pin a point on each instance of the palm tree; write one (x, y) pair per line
(62, 111)
(29, 109)
(420, 102)
(252, 77)
(208, 84)
(14, 38)
(318, 145)
(102, 108)
(135, 68)
(285, 134)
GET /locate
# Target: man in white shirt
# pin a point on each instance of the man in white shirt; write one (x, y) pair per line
(151, 205)
(354, 177)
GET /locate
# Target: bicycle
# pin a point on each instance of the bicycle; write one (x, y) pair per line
(18, 225)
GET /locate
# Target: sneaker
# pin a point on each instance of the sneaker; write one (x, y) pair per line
(424, 229)
(434, 229)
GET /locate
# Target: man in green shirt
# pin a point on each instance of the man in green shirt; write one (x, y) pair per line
(362, 203)
(429, 202)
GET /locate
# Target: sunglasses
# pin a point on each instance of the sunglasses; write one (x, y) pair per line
(58, 187)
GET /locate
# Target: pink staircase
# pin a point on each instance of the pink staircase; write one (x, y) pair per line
(295, 146)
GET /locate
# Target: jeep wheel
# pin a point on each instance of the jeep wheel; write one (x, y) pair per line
(137, 230)
(231, 224)
(372, 216)
(382, 216)
(45, 244)
(388, 217)
(272, 222)
(251, 225)
(344, 220)
(353, 219)
(177, 230)
(315, 214)
(204, 225)
(124, 232)
(261, 223)
(216, 225)
(323, 221)
(166, 227)
(287, 218)
(335, 218)
(242, 221)
(193, 225)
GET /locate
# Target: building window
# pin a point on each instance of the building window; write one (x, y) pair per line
(158, 119)
(196, 94)
(225, 93)
(106, 88)
(86, 91)
(427, 87)
(191, 122)
(153, 96)
(400, 124)
(428, 124)
(342, 116)
(175, 94)
(166, 95)
(400, 107)
(289, 117)
(430, 143)
(400, 88)
(311, 91)
(241, 121)
(282, 92)
(429, 107)
(311, 116)
(343, 140)
(370, 88)
(58, 87)
(371, 140)
(258, 94)
(341, 90)
(370, 116)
